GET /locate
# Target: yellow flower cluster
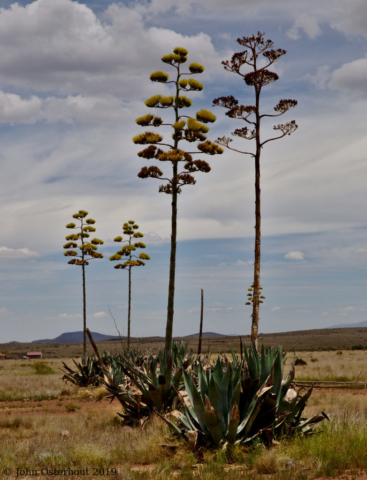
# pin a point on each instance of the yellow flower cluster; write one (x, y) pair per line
(192, 83)
(210, 148)
(196, 68)
(196, 126)
(181, 51)
(184, 102)
(147, 137)
(175, 155)
(179, 125)
(172, 58)
(205, 116)
(159, 76)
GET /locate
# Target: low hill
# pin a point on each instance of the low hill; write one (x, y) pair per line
(76, 337)
(351, 325)
(205, 334)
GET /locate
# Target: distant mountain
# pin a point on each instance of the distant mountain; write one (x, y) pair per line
(76, 337)
(351, 325)
(206, 334)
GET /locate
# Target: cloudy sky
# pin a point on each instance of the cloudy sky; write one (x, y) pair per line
(73, 79)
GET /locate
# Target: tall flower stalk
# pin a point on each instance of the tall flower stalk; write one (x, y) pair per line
(132, 260)
(88, 251)
(258, 77)
(185, 128)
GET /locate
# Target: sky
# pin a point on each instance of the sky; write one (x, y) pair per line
(74, 77)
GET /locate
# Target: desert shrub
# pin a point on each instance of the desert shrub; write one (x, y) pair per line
(72, 407)
(42, 368)
(358, 347)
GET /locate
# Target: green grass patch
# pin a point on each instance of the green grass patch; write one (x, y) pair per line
(42, 368)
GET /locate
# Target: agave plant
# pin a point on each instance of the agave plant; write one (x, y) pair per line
(150, 387)
(87, 373)
(181, 356)
(242, 402)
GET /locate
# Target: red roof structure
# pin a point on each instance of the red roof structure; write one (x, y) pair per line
(34, 354)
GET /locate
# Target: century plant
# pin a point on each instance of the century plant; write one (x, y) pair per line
(132, 260)
(152, 385)
(258, 77)
(88, 251)
(185, 128)
(243, 402)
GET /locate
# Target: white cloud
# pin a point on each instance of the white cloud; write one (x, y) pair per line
(306, 23)
(349, 309)
(360, 251)
(325, 314)
(241, 262)
(274, 309)
(6, 252)
(4, 311)
(100, 314)
(322, 77)
(238, 263)
(345, 311)
(350, 78)
(295, 255)
(70, 316)
(61, 46)
(348, 17)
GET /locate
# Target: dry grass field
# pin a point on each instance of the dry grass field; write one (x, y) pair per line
(45, 424)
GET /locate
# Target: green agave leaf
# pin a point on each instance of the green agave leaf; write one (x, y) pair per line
(191, 419)
(305, 426)
(156, 397)
(234, 386)
(213, 421)
(177, 379)
(219, 402)
(203, 384)
(162, 387)
(233, 423)
(251, 408)
(278, 373)
(252, 364)
(298, 407)
(218, 372)
(263, 364)
(234, 357)
(288, 380)
(195, 400)
(168, 373)
(246, 424)
(246, 353)
(174, 427)
(153, 374)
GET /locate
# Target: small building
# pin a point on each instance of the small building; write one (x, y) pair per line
(2, 356)
(34, 354)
